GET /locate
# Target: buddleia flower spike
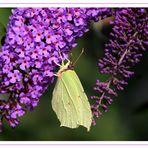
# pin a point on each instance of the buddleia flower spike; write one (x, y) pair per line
(127, 43)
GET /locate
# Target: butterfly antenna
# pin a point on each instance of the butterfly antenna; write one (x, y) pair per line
(61, 57)
(82, 51)
(71, 57)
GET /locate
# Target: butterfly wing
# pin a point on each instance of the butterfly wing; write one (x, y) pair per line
(70, 102)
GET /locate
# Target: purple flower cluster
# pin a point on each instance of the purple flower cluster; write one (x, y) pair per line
(34, 40)
(128, 39)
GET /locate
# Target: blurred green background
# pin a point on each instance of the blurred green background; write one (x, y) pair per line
(127, 118)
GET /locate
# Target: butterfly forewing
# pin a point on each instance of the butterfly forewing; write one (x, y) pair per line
(70, 102)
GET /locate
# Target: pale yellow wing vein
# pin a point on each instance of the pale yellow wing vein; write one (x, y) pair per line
(70, 96)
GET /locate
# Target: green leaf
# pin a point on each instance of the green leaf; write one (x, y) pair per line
(4, 16)
(69, 101)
